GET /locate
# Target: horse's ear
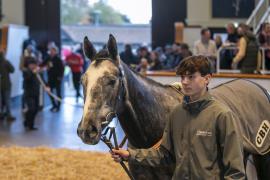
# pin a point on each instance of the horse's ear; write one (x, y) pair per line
(89, 49)
(112, 47)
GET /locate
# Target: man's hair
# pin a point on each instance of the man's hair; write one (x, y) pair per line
(184, 46)
(204, 30)
(193, 64)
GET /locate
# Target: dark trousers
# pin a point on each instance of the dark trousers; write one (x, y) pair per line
(56, 85)
(5, 104)
(226, 57)
(32, 110)
(76, 77)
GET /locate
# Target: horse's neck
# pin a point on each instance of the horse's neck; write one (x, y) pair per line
(146, 111)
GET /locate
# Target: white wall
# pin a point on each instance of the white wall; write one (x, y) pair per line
(191, 34)
(13, 11)
(16, 35)
(199, 12)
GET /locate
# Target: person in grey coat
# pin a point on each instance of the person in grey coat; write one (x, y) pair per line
(201, 137)
(5, 69)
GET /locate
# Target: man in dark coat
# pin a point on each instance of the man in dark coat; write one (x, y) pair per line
(31, 93)
(55, 70)
(200, 138)
(5, 69)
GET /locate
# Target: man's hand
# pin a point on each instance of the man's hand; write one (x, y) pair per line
(234, 65)
(47, 89)
(36, 70)
(120, 154)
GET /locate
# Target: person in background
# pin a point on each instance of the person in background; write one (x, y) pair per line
(200, 138)
(28, 54)
(173, 58)
(5, 69)
(86, 62)
(227, 55)
(143, 66)
(185, 52)
(31, 93)
(206, 47)
(127, 55)
(264, 40)
(232, 36)
(75, 62)
(155, 62)
(1, 114)
(248, 57)
(143, 53)
(218, 41)
(55, 71)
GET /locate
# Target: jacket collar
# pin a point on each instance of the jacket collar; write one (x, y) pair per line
(197, 106)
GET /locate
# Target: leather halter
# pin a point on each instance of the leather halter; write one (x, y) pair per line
(121, 94)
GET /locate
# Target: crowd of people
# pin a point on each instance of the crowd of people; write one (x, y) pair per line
(247, 57)
(34, 62)
(244, 52)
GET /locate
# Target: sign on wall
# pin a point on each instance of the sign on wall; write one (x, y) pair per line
(232, 8)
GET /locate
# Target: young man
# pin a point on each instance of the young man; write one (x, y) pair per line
(55, 71)
(200, 137)
(31, 93)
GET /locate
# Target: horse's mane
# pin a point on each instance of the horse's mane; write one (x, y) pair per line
(101, 56)
(144, 78)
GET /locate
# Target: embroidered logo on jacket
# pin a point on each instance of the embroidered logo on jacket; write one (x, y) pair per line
(262, 133)
(203, 133)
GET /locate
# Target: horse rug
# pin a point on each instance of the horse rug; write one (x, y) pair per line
(251, 105)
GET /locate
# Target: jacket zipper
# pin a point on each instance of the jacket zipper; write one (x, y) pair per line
(189, 166)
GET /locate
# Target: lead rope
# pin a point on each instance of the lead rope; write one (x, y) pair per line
(50, 93)
(107, 141)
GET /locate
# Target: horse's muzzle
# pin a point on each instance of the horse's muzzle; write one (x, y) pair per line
(91, 135)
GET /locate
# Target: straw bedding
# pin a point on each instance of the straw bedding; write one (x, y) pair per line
(46, 163)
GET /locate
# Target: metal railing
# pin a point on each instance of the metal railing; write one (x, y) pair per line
(259, 15)
(263, 69)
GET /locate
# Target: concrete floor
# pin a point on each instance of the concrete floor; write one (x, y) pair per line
(58, 130)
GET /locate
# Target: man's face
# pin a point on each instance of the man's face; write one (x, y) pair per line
(267, 28)
(53, 52)
(230, 29)
(206, 35)
(194, 84)
(32, 66)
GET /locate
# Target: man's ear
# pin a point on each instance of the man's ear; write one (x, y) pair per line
(208, 78)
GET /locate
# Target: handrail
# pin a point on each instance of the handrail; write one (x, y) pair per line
(258, 15)
(265, 16)
(263, 68)
(255, 11)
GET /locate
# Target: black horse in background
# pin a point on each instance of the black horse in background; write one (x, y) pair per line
(143, 107)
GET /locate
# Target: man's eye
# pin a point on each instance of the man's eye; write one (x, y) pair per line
(190, 77)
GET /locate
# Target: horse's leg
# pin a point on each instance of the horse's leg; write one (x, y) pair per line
(262, 164)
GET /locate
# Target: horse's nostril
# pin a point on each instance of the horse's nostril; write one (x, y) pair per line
(93, 132)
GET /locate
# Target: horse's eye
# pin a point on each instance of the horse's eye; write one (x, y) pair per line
(111, 82)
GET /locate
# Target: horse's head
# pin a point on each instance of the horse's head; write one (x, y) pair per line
(103, 90)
